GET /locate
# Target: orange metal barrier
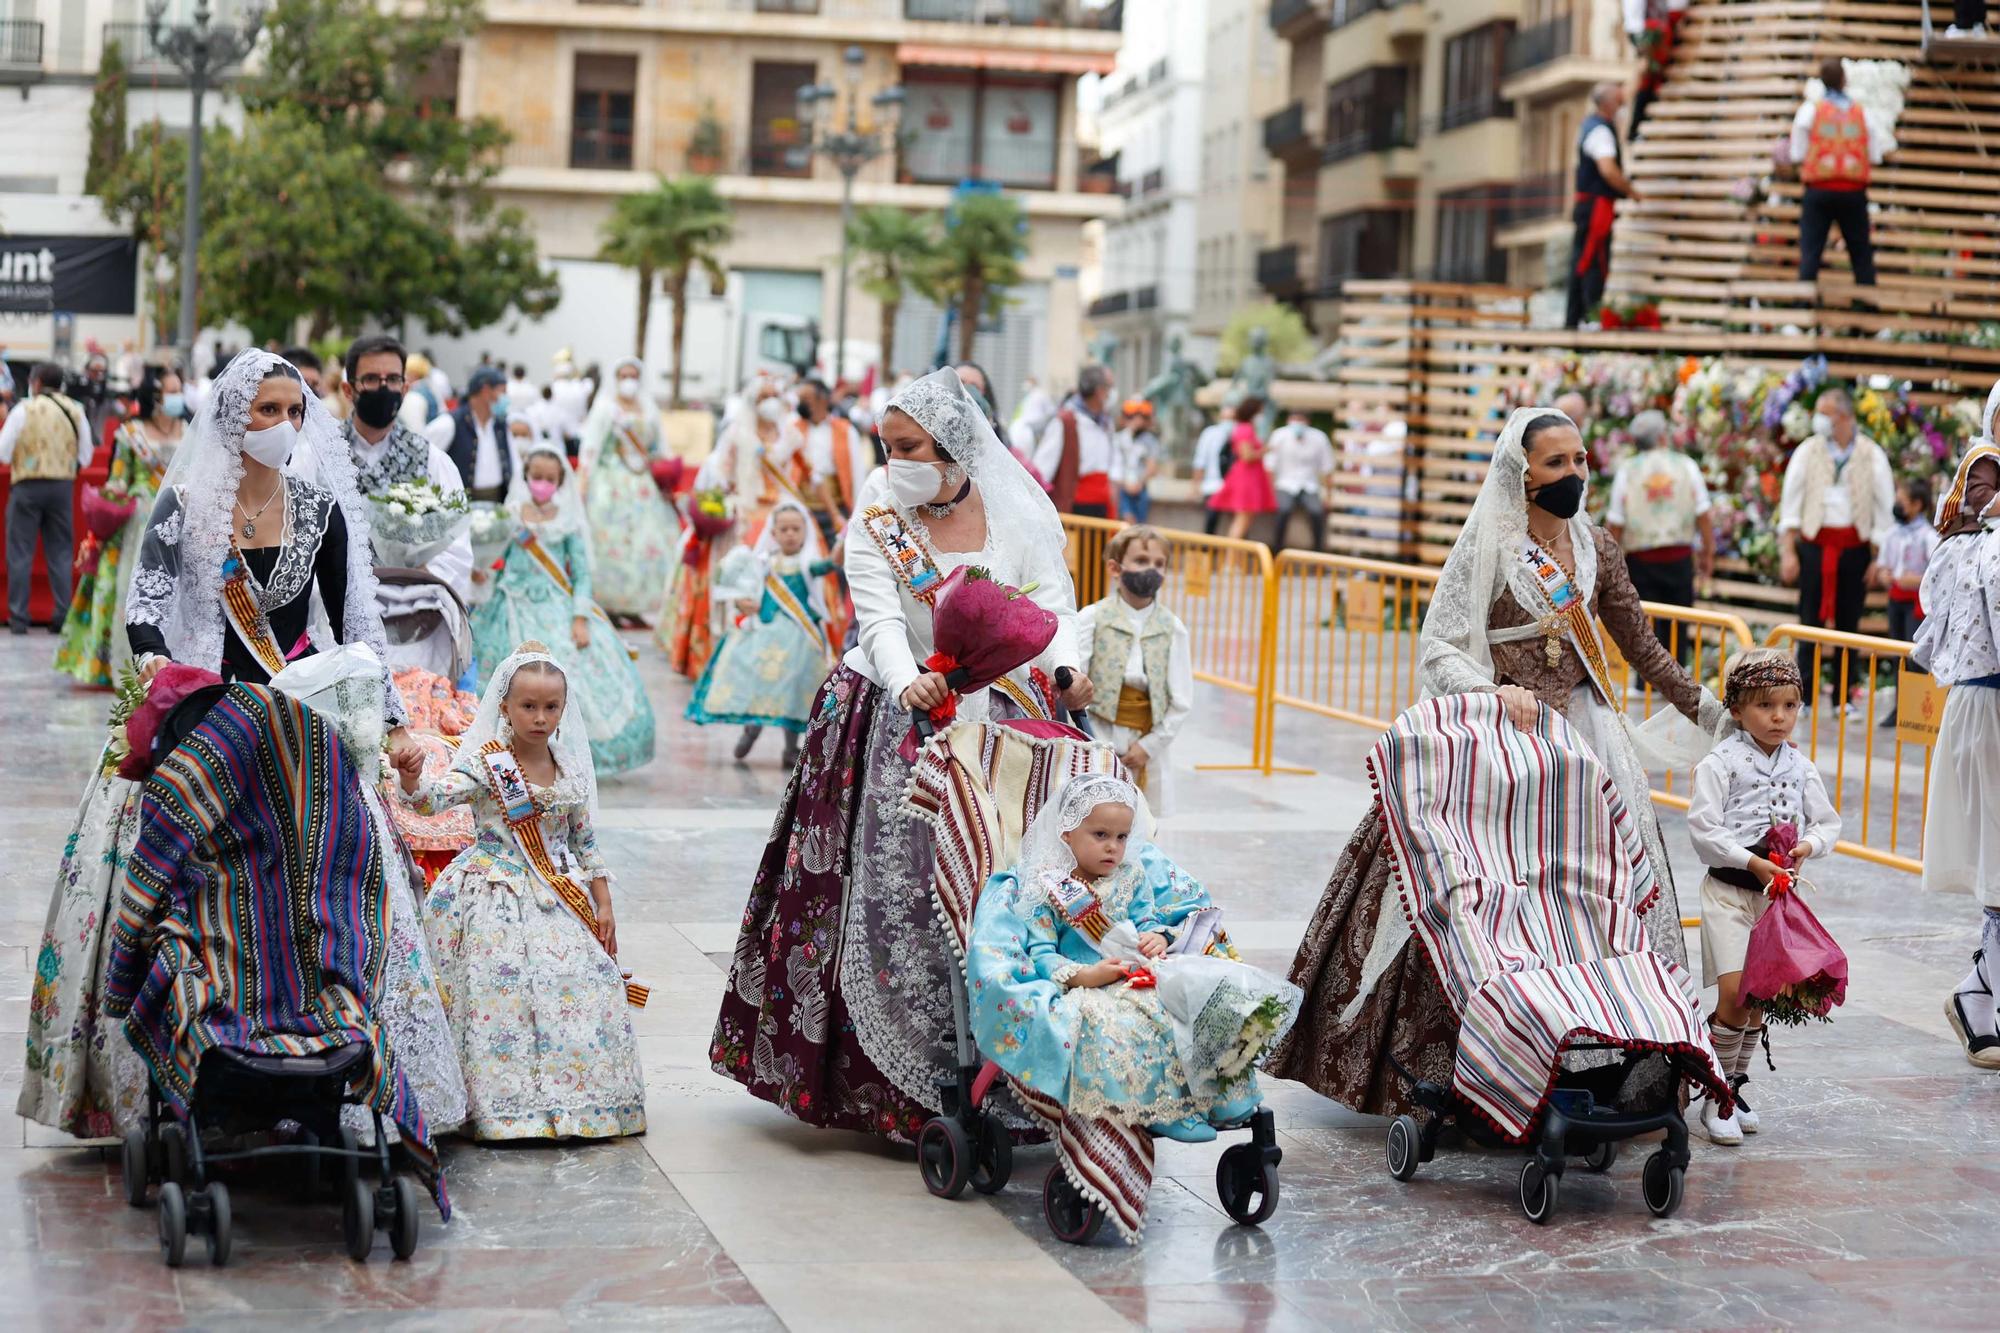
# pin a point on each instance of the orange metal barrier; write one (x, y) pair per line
(1861, 736)
(1347, 635)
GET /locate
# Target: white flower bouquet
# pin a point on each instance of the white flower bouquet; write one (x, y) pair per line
(492, 528)
(413, 521)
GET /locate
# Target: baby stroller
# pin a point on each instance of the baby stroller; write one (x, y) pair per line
(250, 920)
(1522, 877)
(979, 785)
(425, 622)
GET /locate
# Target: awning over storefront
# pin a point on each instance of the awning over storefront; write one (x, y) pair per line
(987, 57)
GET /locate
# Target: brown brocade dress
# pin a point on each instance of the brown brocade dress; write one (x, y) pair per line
(1406, 1018)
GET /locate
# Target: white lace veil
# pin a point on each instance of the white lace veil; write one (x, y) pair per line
(570, 519)
(569, 746)
(607, 407)
(809, 554)
(1046, 858)
(177, 583)
(1015, 503)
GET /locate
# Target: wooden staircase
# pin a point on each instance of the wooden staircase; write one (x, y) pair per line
(1710, 262)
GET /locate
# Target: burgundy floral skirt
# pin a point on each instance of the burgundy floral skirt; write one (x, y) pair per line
(839, 1008)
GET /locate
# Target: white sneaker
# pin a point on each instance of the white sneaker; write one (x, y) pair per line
(1721, 1130)
(1976, 33)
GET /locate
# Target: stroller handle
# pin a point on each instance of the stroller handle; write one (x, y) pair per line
(958, 678)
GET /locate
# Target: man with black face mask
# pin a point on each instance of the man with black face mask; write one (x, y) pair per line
(388, 453)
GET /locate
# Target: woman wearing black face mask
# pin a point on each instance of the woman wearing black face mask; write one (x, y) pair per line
(1515, 612)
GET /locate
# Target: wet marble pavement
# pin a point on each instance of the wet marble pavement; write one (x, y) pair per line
(1869, 1198)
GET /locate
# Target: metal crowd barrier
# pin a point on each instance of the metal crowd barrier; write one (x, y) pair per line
(1337, 636)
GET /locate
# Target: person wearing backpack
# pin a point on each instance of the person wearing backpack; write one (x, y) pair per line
(45, 442)
(1835, 149)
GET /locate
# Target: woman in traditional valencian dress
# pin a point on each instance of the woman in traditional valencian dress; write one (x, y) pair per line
(839, 1000)
(632, 529)
(93, 644)
(544, 592)
(255, 556)
(1514, 612)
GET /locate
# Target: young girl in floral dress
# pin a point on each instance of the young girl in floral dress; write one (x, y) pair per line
(521, 922)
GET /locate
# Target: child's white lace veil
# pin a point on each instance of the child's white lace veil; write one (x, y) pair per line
(809, 554)
(570, 518)
(569, 745)
(1046, 858)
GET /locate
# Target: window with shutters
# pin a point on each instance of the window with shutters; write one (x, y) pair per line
(601, 117)
(1475, 62)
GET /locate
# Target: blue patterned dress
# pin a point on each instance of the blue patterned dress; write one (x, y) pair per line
(527, 603)
(769, 670)
(1119, 1052)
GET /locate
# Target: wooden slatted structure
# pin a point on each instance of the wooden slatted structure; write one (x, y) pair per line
(1738, 74)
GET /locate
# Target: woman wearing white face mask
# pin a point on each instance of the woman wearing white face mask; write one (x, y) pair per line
(843, 1020)
(632, 528)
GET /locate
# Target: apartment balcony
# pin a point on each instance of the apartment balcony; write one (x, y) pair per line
(1109, 304)
(1393, 135)
(1300, 20)
(1278, 271)
(1287, 138)
(20, 53)
(1537, 209)
(1146, 298)
(1549, 61)
(1017, 13)
(1061, 36)
(1152, 183)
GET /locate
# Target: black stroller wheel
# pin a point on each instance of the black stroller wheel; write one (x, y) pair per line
(403, 1230)
(219, 1224)
(1662, 1185)
(350, 1165)
(944, 1156)
(1072, 1219)
(173, 1224)
(174, 1154)
(357, 1221)
(132, 1162)
(1247, 1185)
(995, 1154)
(1539, 1192)
(1404, 1136)
(1601, 1158)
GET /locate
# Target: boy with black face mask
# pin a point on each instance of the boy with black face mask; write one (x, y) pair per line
(1138, 642)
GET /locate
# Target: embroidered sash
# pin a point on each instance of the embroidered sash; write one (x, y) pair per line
(246, 614)
(551, 566)
(795, 610)
(1079, 907)
(517, 806)
(1569, 616)
(630, 452)
(904, 550)
(776, 475)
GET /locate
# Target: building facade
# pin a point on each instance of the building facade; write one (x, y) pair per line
(1239, 203)
(602, 98)
(1429, 139)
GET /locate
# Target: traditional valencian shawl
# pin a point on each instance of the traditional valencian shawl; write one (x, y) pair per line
(254, 913)
(1524, 880)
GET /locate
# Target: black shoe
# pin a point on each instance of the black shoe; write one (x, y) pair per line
(745, 741)
(17, 627)
(55, 626)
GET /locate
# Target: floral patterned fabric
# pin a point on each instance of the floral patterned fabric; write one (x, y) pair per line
(768, 670)
(537, 1008)
(93, 643)
(632, 531)
(437, 710)
(687, 616)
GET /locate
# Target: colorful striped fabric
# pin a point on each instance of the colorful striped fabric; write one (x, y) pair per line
(1524, 878)
(978, 785)
(254, 913)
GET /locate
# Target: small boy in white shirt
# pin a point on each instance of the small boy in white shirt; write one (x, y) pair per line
(1752, 782)
(1138, 643)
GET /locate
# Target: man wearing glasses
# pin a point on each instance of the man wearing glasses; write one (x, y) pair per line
(388, 453)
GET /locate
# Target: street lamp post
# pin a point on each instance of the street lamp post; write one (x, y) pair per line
(200, 50)
(850, 148)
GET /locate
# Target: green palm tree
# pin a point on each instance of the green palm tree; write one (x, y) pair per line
(897, 251)
(978, 260)
(666, 233)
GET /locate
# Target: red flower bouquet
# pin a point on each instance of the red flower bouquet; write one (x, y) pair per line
(981, 629)
(667, 474)
(1793, 970)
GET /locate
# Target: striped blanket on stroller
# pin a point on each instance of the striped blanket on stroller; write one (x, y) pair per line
(1524, 879)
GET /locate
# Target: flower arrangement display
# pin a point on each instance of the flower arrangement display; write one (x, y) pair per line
(413, 521)
(1741, 423)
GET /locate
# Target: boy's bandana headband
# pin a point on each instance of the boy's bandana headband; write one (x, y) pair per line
(1773, 674)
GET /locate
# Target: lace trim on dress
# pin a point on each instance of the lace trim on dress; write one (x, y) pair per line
(309, 511)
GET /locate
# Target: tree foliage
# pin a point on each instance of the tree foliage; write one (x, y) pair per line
(348, 199)
(1290, 341)
(897, 252)
(107, 118)
(978, 259)
(669, 231)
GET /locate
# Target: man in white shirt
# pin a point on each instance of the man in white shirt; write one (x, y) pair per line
(45, 442)
(1600, 182)
(1834, 148)
(474, 435)
(386, 452)
(838, 457)
(569, 396)
(1302, 464)
(1836, 507)
(521, 390)
(1208, 451)
(1074, 457)
(1662, 516)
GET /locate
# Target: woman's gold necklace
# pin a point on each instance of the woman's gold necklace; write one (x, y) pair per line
(250, 519)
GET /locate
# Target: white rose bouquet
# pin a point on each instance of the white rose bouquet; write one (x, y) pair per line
(413, 521)
(493, 527)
